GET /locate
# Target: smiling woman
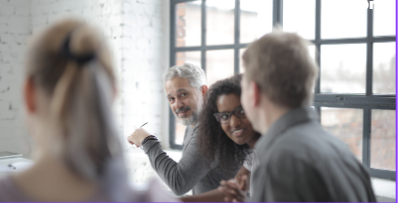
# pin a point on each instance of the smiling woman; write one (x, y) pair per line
(224, 131)
(233, 120)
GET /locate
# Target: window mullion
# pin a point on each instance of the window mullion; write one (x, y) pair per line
(366, 137)
(277, 13)
(317, 43)
(369, 54)
(369, 80)
(172, 132)
(172, 34)
(237, 36)
(203, 40)
(318, 110)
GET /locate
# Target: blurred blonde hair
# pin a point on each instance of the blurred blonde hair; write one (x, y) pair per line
(80, 95)
(281, 65)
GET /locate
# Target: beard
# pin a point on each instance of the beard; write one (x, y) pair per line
(194, 118)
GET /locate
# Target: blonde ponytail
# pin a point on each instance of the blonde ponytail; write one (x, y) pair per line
(62, 89)
(78, 77)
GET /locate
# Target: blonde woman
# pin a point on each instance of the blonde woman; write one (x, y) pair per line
(68, 93)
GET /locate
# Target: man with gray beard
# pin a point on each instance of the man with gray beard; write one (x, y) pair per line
(185, 88)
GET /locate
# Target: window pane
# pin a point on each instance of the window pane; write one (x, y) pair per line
(180, 131)
(343, 68)
(384, 68)
(193, 57)
(219, 65)
(188, 25)
(383, 140)
(343, 19)
(220, 22)
(255, 19)
(345, 124)
(313, 52)
(299, 17)
(241, 67)
(384, 17)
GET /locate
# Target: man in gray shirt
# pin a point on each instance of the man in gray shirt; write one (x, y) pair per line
(185, 88)
(298, 159)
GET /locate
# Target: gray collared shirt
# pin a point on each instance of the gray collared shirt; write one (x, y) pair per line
(300, 161)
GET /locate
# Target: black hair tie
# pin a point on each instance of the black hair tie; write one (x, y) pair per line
(81, 60)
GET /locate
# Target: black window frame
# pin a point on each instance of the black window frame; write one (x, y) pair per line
(367, 102)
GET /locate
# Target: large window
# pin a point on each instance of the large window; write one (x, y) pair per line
(354, 47)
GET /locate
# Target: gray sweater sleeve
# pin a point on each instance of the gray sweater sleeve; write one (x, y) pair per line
(182, 176)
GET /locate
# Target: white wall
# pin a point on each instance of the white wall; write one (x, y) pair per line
(137, 31)
(14, 32)
(145, 56)
(105, 14)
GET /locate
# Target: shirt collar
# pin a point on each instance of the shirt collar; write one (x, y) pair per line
(292, 117)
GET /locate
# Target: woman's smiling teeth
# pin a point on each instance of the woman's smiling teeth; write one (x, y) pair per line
(237, 132)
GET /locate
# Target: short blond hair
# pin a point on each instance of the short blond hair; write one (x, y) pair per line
(281, 65)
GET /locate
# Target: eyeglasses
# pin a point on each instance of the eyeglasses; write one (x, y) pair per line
(224, 117)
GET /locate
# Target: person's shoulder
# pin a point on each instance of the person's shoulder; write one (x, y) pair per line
(310, 142)
(309, 134)
(191, 134)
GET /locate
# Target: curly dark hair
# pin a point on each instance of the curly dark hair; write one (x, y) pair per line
(213, 140)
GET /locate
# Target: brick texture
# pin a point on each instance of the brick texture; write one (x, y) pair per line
(137, 32)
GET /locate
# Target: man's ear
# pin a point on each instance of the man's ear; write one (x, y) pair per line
(30, 95)
(256, 92)
(203, 89)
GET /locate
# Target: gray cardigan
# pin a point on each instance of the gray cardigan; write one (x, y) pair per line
(300, 161)
(191, 172)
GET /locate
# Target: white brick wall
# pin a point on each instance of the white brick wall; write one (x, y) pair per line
(137, 31)
(145, 33)
(14, 32)
(105, 14)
